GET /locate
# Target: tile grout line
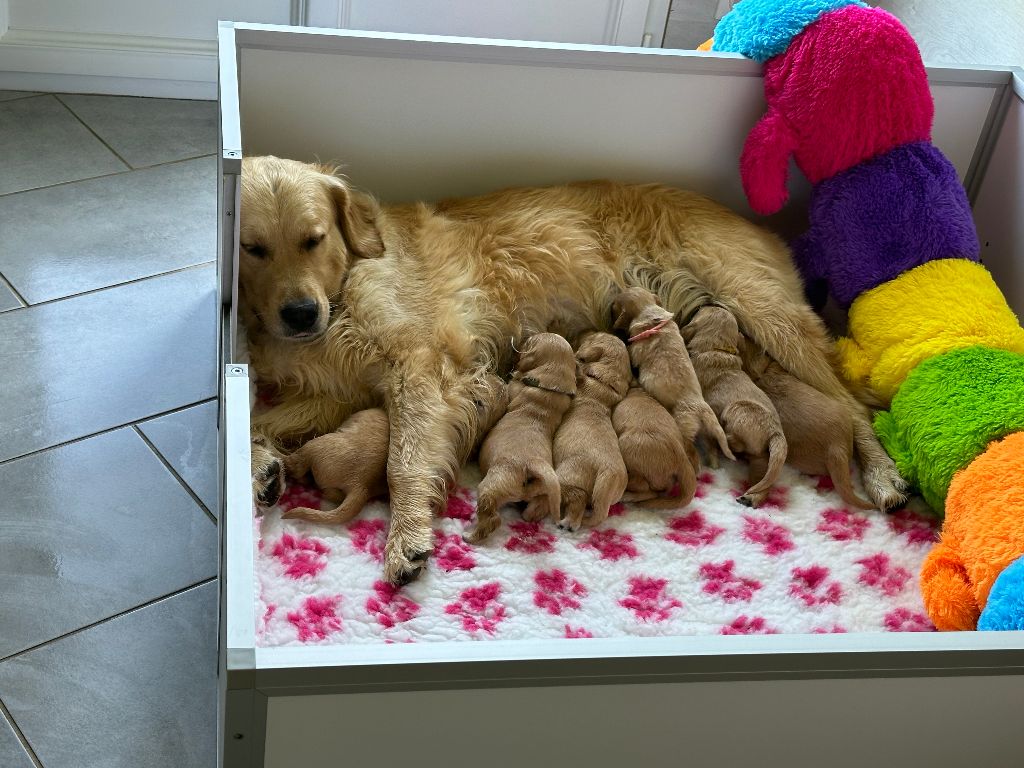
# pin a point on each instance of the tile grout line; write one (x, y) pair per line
(118, 285)
(12, 289)
(106, 619)
(105, 175)
(108, 430)
(5, 713)
(31, 95)
(90, 130)
(174, 473)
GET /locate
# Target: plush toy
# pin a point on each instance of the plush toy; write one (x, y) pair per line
(977, 566)
(706, 45)
(891, 237)
(876, 220)
(829, 117)
(934, 308)
(949, 408)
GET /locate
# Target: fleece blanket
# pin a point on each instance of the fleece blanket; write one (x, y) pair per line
(801, 563)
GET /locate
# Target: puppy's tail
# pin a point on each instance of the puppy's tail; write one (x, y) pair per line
(838, 463)
(341, 514)
(551, 488)
(608, 489)
(777, 451)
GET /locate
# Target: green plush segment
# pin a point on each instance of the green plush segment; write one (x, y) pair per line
(948, 410)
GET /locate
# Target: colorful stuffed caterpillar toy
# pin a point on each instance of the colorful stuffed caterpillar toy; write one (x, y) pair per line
(891, 237)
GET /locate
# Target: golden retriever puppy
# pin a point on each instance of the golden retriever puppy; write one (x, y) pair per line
(590, 468)
(751, 422)
(653, 451)
(516, 456)
(663, 365)
(819, 433)
(349, 305)
(349, 465)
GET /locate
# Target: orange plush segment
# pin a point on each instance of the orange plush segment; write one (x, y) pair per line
(982, 534)
(948, 596)
(706, 45)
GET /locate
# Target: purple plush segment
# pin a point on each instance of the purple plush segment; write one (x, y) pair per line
(875, 221)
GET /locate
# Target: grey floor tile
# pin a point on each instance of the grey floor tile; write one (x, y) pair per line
(136, 691)
(188, 441)
(89, 530)
(12, 754)
(7, 298)
(8, 95)
(42, 143)
(90, 363)
(109, 230)
(149, 131)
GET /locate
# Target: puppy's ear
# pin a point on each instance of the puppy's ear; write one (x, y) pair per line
(357, 219)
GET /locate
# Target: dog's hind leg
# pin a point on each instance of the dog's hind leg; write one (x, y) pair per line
(777, 450)
(608, 489)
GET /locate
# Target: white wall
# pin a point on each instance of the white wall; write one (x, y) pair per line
(168, 47)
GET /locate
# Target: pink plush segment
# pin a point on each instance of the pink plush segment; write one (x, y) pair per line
(801, 563)
(850, 86)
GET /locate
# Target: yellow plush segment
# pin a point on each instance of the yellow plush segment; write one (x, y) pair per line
(934, 308)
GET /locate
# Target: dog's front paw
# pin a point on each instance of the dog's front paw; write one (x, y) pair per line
(405, 557)
(267, 473)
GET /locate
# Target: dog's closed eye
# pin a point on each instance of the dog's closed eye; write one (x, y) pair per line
(313, 241)
(255, 249)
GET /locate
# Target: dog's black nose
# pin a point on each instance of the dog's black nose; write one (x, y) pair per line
(300, 315)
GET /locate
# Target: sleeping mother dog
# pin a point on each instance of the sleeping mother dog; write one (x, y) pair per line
(349, 305)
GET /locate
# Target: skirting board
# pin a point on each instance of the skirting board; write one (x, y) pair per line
(129, 65)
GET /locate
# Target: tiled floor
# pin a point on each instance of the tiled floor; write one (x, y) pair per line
(108, 487)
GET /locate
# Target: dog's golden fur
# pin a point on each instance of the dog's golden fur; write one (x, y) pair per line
(424, 298)
(819, 433)
(516, 456)
(751, 422)
(653, 451)
(590, 469)
(664, 367)
(348, 465)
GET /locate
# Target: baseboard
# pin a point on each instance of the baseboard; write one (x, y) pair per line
(132, 65)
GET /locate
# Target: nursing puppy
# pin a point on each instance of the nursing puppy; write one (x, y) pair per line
(516, 456)
(750, 420)
(349, 465)
(657, 351)
(819, 434)
(653, 452)
(350, 305)
(590, 468)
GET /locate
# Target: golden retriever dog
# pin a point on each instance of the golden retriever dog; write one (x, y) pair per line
(751, 423)
(516, 456)
(590, 468)
(819, 433)
(349, 466)
(653, 451)
(663, 365)
(348, 305)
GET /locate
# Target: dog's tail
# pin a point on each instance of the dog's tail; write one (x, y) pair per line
(838, 463)
(777, 451)
(341, 514)
(548, 480)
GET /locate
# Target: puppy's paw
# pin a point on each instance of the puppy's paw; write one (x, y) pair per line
(885, 487)
(751, 500)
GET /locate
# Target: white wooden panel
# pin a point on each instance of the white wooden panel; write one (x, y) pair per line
(960, 113)
(151, 18)
(563, 21)
(835, 723)
(414, 129)
(999, 210)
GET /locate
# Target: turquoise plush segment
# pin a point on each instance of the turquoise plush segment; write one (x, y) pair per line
(761, 29)
(1005, 607)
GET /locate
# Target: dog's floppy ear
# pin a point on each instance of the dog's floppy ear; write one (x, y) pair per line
(357, 219)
